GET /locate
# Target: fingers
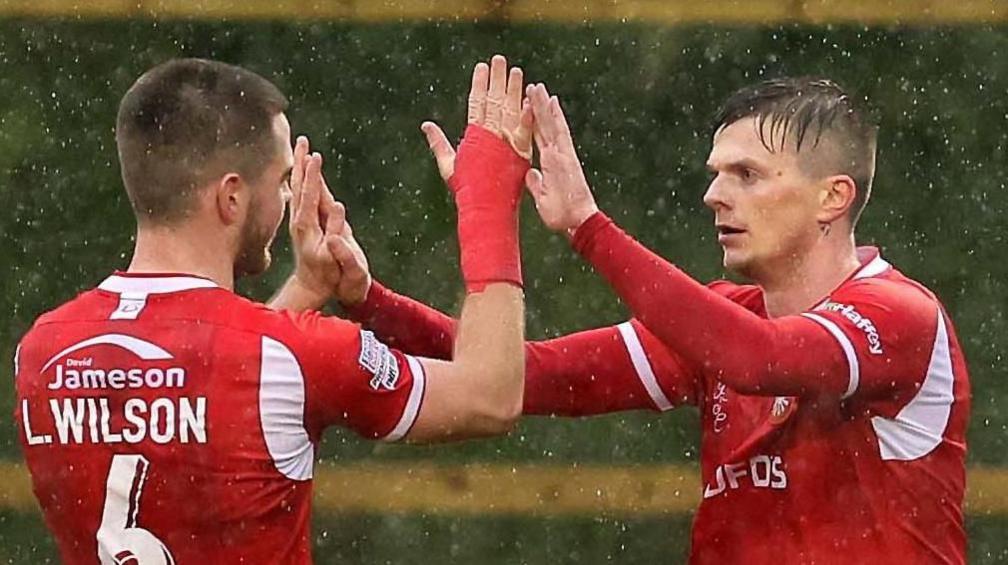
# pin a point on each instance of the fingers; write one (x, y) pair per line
(494, 116)
(523, 133)
(478, 93)
(442, 149)
(563, 138)
(513, 99)
(332, 214)
(353, 268)
(545, 128)
(306, 216)
(297, 173)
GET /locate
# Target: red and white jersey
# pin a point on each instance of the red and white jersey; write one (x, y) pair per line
(165, 419)
(877, 477)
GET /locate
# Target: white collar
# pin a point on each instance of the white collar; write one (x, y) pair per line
(154, 284)
(872, 263)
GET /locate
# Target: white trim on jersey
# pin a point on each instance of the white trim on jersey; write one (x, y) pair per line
(141, 348)
(153, 285)
(412, 408)
(875, 267)
(130, 306)
(848, 348)
(281, 411)
(918, 428)
(643, 367)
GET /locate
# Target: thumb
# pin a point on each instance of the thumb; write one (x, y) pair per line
(342, 250)
(534, 184)
(439, 145)
(522, 141)
(335, 217)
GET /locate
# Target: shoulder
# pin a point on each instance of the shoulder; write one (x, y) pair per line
(90, 304)
(309, 335)
(891, 297)
(889, 314)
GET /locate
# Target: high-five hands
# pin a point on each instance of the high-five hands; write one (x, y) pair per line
(496, 104)
(328, 260)
(559, 188)
(487, 173)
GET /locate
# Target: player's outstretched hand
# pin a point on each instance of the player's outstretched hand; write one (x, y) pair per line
(328, 260)
(487, 172)
(496, 104)
(561, 193)
(355, 279)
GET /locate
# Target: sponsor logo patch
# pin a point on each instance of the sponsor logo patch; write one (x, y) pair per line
(860, 322)
(377, 359)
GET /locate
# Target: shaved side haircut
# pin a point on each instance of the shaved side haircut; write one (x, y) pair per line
(812, 114)
(184, 123)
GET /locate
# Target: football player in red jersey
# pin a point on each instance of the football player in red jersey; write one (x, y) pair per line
(833, 392)
(166, 419)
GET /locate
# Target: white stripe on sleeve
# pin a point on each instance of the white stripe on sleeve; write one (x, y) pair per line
(848, 349)
(412, 408)
(643, 366)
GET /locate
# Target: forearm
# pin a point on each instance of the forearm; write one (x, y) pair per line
(479, 393)
(405, 323)
(489, 347)
(588, 373)
(576, 375)
(296, 297)
(749, 353)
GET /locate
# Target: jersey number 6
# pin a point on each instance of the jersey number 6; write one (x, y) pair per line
(120, 541)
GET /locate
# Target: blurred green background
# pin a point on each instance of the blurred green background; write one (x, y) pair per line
(640, 97)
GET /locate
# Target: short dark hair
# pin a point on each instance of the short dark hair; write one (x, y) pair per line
(809, 109)
(184, 122)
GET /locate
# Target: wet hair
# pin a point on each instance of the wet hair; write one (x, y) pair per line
(806, 112)
(186, 121)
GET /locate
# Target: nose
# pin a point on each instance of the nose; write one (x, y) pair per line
(715, 198)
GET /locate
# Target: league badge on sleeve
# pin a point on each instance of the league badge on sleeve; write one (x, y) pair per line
(377, 359)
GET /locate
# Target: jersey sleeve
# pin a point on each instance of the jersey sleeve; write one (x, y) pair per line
(892, 335)
(715, 334)
(404, 323)
(350, 378)
(610, 369)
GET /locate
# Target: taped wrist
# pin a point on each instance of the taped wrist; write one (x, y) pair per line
(487, 185)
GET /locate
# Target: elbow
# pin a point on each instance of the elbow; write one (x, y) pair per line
(498, 414)
(501, 417)
(508, 415)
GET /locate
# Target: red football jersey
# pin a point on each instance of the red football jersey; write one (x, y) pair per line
(867, 466)
(165, 419)
(877, 477)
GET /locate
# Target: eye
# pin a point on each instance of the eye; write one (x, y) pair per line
(748, 175)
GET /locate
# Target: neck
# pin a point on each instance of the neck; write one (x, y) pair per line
(182, 249)
(807, 279)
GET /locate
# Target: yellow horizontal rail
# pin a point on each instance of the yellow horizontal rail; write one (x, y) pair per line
(667, 12)
(525, 490)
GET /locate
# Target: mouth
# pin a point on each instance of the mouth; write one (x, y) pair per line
(728, 232)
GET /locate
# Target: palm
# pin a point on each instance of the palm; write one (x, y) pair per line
(562, 181)
(560, 190)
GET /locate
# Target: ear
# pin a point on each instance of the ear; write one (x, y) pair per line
(231, 199)
(836, 198)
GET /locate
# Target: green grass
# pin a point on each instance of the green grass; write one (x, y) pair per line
(420, 540)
